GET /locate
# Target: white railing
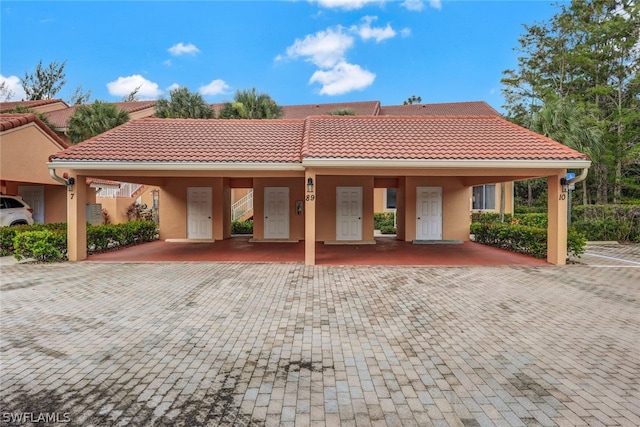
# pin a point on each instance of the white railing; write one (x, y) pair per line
(242, 206)
(126, 189)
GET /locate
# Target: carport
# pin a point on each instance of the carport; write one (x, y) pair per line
(314, 179)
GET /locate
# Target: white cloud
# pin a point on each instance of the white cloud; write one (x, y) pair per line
(123, 86)
(12, 83)
(418, 5)
(342, 78)
(405, 32)
(182, 49)
(324, 48)
(366, 32)
(173, 87)
(347, 4)
(216, 87)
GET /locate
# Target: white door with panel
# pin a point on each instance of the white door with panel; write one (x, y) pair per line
(276, 212)
(199, 224)
(349, 213)
(429, 213)
(33, 195)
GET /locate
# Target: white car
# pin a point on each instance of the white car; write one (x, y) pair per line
(14, 211)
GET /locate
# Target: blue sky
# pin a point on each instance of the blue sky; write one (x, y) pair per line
(298, 52)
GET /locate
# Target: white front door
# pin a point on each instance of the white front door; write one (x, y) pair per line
(276, 212)
(33, 195)
(429, 213)
(199, 213)
(349, 213)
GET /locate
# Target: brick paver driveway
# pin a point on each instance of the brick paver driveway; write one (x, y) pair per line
(284, 344)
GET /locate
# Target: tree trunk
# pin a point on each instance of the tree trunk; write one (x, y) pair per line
(529, 194)
(585, 195)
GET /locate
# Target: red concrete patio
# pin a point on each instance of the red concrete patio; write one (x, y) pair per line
(386, 251)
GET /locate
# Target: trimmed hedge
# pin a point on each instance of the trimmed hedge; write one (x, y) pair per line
(523, 239)
(41, 245)
(242, 227)
(48, 242)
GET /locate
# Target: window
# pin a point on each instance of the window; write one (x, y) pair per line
(484, 197)
(391, 198)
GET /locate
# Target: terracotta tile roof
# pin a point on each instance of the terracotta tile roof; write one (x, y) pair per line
(6, 106)
(319, 137)
(101, 181)
(60, 118)
(474, 108)
(14, 121)
(365, 108)
(428, 138)
(189, 140)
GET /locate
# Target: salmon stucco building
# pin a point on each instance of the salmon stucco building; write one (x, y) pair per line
(314, 178)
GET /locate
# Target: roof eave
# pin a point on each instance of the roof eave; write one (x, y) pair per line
(171, 166)
(447, 163)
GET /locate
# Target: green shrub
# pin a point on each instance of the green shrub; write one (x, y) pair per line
(608, 222)
(523, 239)
(41, 245)
(383, 219)
(242, 227)
(103, 237)
(7, 234)
(388, 229)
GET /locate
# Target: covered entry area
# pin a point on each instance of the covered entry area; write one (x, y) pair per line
(314, 179)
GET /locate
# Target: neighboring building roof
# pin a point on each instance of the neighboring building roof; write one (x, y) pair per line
(318, 137)
(10, 105)
(473, 108)
(365, 108)
(428, 138)
(14, 121)
(60, 118)
(190, 140)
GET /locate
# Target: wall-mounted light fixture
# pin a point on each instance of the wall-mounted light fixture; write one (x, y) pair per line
(309, 185)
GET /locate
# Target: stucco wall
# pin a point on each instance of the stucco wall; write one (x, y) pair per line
(24, 154)
(326, 204)
(296, 193)
(455, 207)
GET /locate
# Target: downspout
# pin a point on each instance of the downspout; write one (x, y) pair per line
(52, 173)
(579, 178)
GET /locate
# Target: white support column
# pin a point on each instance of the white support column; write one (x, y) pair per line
(310, 218)
(557, 220)
(77, 218)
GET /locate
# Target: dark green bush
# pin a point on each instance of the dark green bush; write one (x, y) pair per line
(54, 244)
(388, 229)
(242, 227)
(41, 245)
(523, 239)
(382, 219)
(608, 222)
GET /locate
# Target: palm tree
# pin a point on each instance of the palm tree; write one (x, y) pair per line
(250, 104)
(21, 109)
(568, 124)
(91, 120)
(183, 105)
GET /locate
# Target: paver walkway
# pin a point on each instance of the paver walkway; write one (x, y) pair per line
(284, 344)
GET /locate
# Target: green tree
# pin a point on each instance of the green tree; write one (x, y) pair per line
(587, 55)
(568, 123)
(5, 92)
(91, 120)
(79, 96)
(412, 100)
(250, 104)
(44, 83)
(21, 109)
(133, 95)
(183, 104)
(342, 112)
